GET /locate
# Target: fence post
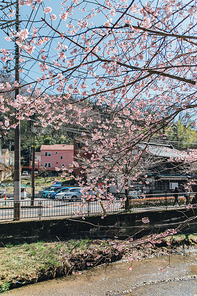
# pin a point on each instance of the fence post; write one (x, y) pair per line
(88, 208)
(40, 209)
(166, 200)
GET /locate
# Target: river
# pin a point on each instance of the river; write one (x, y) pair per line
(174, 275)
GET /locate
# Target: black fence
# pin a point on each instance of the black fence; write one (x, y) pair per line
(54, 208)
(46, 208)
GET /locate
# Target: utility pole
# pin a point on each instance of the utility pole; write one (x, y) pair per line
(32, 173)
(6, 23)
(17, 153)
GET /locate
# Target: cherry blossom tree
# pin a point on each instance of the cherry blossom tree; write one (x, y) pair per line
(118, 71)
(137, 60)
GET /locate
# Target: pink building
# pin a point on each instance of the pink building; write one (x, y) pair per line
(56, 156)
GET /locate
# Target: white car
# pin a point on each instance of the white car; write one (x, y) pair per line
(60, 195)
(25, 173)
(73, 194)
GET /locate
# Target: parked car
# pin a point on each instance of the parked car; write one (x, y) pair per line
(73, 194)
(52, 194)
(70, 190)
(25, 173)
(46, 191)
(60, 195)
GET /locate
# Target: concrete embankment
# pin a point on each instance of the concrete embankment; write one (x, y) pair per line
(116, 225)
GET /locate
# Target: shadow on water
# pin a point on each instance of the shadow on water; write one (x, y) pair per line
(173, 275)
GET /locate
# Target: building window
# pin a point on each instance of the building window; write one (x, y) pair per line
(45, 164)
(61, 157)
(55, 152)
(47, 153)
(62, 165)
(49, 165)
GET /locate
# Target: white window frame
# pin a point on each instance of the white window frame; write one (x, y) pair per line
(47, 153)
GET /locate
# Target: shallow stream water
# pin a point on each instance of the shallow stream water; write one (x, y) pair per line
(174, 275)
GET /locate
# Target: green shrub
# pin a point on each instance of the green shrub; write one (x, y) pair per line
(5, 287)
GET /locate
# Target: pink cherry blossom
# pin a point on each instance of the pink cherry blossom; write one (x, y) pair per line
(145, 220)
(53, 17)
(47, 10)
(64, 16)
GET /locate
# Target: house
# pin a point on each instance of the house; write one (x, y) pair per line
(161, 167)
(56, 156)
(5, 157)
(166, 169)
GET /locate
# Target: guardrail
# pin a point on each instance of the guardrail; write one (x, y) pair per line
(54, 208)
(46, 208)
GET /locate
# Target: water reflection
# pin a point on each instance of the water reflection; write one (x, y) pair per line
(123, 278)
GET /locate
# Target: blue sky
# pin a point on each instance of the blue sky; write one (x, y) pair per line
(31, 69)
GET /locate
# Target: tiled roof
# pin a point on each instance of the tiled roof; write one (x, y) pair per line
(163, 150)
(57, 147)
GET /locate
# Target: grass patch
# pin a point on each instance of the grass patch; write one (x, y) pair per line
(5, 287)
(23, 262)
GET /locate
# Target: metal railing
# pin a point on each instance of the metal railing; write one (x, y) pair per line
(47, 208)
(44, 208)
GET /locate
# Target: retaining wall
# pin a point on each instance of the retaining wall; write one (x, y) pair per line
(117, 225)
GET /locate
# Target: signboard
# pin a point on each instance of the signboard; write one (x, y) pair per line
(172, 185)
